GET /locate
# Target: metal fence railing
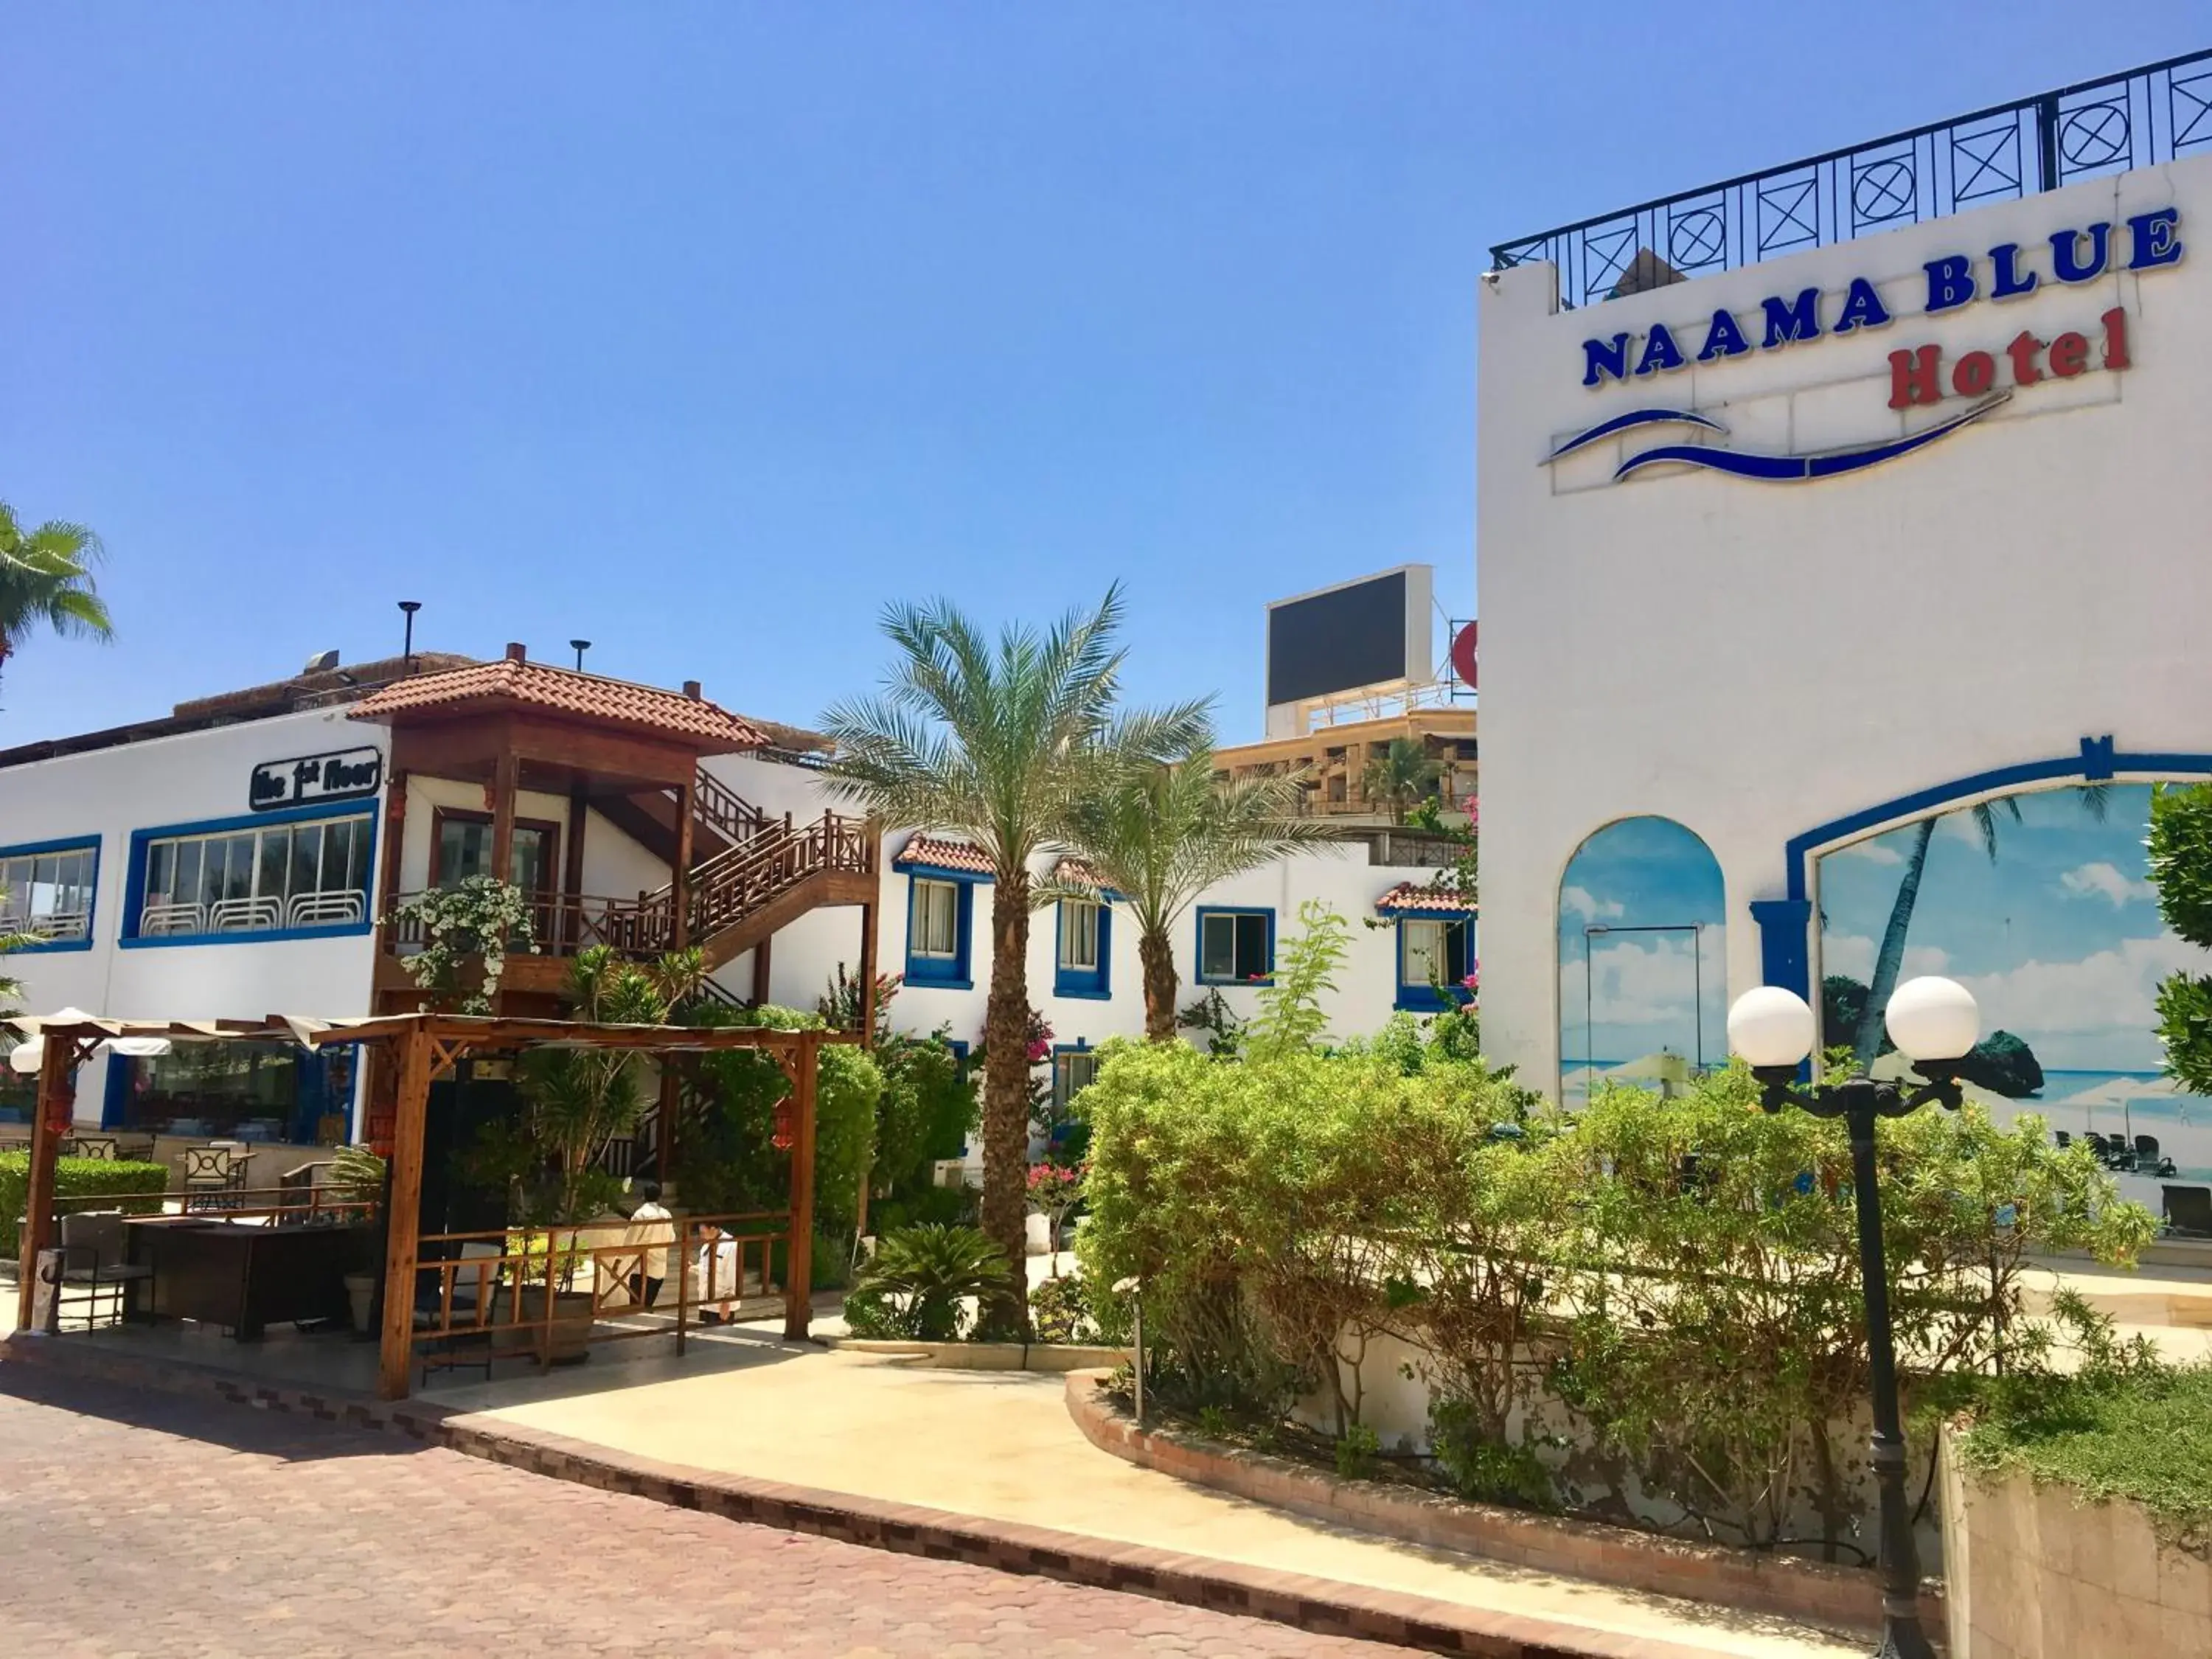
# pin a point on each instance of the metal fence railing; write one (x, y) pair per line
(2138, 117)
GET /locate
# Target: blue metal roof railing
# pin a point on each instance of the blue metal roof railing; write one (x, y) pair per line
(2138, 117)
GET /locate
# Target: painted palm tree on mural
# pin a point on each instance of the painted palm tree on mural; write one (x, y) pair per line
(45, 582)
(1402, 777)
(1866, 1041)
(997, 740)
(1157, 835)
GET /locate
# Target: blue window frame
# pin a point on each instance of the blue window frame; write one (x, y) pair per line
(940, 927)
(1083, 949)
(47, 889)
(1236, 944)
(306, 873)
(1433, 944)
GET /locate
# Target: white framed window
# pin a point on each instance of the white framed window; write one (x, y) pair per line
(257, 879)
(1433, 951)
(48, 894)
(936, 918)
(1079, 935)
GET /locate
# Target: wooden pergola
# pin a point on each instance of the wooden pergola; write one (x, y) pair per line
(422, 1047)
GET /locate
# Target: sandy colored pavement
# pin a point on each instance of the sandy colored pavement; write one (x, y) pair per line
(1001, 1445)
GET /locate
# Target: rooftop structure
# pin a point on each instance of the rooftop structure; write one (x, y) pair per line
(1335, 758)
(2137, 118)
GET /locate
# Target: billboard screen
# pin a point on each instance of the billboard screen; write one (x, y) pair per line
(1345, 638)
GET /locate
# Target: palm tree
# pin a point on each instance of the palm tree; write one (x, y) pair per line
(1403, 776)
(997, 740)
(46, 581)
(1867, 1040)
(1158, 835)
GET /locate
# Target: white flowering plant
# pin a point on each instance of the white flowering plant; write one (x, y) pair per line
(481, 920)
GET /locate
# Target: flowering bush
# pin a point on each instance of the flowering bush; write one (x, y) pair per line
(481, 918)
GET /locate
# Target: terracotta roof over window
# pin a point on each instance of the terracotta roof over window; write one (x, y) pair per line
(510, 683)
(1409, 895)
(942, 854)
(1074, 873)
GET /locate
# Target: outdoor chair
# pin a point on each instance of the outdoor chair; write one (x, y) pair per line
(207, 1177)
(2148, 1159)
(2189, 1210)
(102, 1147)
(137, 1149)
(2064, 1138)
(96, 1252)
(475, 1288)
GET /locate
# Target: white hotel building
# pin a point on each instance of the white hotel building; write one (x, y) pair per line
(1817, 510)
(243, 855)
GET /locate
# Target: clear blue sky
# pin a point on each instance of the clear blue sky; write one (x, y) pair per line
(701, 330)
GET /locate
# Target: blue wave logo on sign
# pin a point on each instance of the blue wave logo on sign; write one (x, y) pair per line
(1768, 469)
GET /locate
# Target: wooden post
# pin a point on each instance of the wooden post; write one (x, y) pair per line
(569, 929)
(395, 834)
(506, 780)
(679, 872)
(403, 1218)
(761, 954)
(664, 1127)
(868, 977)
(798, 1293)
(57, 1060)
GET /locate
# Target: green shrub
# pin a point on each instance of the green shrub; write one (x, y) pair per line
(1060, 1310)
(73, 1177)
(726, 1161)
(925, 1276)
(2125, 1425)
(1674, 1283)
(1482, 1469)
(927, 1206)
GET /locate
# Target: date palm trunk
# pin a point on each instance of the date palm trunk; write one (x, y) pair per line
(1006, 1082)
(1157, 957)
(1868, 1037)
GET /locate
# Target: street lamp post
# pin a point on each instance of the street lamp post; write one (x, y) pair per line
(1934, 1023)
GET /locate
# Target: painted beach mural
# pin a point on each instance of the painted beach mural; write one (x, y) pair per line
(1642, 963)
(2040, 904)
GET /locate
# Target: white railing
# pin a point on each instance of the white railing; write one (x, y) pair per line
(162, 920)
(240, 915)
(324, 909)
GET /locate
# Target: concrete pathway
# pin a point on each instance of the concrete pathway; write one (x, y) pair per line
(1001, 1446)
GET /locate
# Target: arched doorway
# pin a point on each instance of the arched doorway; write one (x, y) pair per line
(1643, 958)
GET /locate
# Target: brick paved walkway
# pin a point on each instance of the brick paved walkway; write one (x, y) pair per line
(163, 1527)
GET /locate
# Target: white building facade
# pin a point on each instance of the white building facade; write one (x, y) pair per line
(1789, 567)
(236, 866)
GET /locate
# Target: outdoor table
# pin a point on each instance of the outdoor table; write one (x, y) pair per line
(243, 1275)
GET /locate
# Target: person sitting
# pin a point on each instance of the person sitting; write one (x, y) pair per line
(721, 1266)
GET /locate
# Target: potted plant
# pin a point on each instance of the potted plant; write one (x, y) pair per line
(357, 1176)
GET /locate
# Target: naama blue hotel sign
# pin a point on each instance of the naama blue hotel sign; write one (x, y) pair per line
(1918, 375)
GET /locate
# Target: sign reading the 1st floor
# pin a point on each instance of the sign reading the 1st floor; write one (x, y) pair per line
(348, 774)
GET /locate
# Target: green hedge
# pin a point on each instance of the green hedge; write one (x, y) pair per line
(73, 1177)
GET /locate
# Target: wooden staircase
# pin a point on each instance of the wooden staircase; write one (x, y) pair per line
(756, 874)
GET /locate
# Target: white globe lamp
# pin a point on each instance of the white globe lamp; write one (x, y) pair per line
(1770, 1027)
(1932, 1018)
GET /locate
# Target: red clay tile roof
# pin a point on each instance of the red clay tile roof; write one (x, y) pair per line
(1074, 873)
(507, 683)
(944, 854)
(1409, 895)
